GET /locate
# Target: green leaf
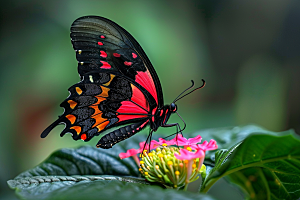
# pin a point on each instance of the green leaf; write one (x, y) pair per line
(62, 165)
(86, 173)
(43, 187)
(85, 160)
(228, 136)
(265, 166)
(94, 187)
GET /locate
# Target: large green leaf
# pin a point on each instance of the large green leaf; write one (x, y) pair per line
(85, 160)
(90, 172)
(101, 187)
(229, 136)
(43, 187)
(86, 173)
(265, 166)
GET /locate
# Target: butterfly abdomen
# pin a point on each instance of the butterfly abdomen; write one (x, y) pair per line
(120, 134)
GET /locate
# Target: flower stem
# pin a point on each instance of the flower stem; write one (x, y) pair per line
(185, 187)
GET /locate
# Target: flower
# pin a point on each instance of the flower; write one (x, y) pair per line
(170, 164)
(146, 147)
(185, 154)
(190, 157)
(206, 146)
(179, 140)
(161, 142)
(129, 153)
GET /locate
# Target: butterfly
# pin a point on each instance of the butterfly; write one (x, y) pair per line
(118, 86)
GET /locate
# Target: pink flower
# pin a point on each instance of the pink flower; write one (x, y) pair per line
(182, 141)
(133, 153)
(146, 147)
(129, 153)
(206, 146)
(189, 155)
(190, 159)
(162, 141)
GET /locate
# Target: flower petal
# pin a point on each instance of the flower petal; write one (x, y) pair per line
(189, 155)
(182, 141)
(207, 146)
(129, 153)
(195, 140)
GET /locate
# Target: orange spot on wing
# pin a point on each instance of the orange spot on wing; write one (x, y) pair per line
(111, 78)
(104, 91)
(102, 126)
(72, 104)
(97, 111)
(100, 99)
(99, 121)
(77, 129)
(71, 118)
(78, 90)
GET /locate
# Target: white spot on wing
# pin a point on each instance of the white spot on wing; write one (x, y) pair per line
(91, 78)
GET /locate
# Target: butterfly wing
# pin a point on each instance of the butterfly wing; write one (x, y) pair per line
(102, 44)
(101, 101)
(118, 83)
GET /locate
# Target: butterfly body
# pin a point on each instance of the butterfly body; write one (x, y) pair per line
(118, 86)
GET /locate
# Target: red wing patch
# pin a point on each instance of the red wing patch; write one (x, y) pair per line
(145, 80)
(138, 105)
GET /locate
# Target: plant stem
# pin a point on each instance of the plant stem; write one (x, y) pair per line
(185, 187)
(207, 186)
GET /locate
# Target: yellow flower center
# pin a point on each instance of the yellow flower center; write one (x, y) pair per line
(150, 154)
(189, 148)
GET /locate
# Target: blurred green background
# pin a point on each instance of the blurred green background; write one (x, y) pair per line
(247, 52)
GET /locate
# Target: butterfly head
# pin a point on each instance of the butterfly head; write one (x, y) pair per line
(173, 107)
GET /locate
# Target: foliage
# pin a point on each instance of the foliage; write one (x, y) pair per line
(263, 164)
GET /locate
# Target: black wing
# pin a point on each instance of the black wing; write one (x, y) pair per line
(102, 44)
(118, 84)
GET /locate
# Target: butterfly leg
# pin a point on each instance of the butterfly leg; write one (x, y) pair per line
(177, 127)
(148, 138)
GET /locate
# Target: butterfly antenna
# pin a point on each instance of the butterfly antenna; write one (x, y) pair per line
(178, 98)
(185, 91)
